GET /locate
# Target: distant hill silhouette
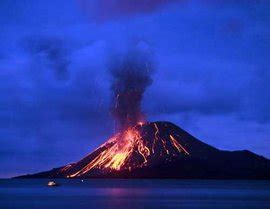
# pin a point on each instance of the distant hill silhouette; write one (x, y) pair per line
(162, 150)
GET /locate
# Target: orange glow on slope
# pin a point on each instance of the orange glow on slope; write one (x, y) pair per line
(129, 150)
(119, 149)
(164, 146)
(178, 146)
(66, 168)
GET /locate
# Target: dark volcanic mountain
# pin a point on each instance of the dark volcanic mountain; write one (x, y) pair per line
(162, 150)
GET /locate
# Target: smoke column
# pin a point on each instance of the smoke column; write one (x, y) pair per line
(131, 75)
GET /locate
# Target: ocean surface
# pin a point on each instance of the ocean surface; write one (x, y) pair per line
(129, 194)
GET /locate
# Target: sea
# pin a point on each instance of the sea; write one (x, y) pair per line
(131, 194)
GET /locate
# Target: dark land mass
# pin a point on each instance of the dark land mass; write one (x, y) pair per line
(173, 153)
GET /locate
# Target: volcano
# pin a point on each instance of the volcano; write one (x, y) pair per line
(162, 150)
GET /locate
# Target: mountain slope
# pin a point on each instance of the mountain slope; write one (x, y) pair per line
(162, 150)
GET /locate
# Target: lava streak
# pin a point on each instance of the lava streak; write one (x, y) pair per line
(138, 146)
(178, 146)
(117, 151)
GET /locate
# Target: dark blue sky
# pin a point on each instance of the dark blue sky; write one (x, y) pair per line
(211, 77)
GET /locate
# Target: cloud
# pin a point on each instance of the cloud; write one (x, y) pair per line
(52, 51)
(103, 10)
(256, 101)
(47, 114)
(207, 86)
(55, 99)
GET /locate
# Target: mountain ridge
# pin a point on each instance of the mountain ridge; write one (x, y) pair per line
(162, 150)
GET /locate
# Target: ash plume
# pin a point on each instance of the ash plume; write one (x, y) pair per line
(131, 75)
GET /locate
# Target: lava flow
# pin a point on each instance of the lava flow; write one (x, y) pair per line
(161, 150)
(136, 147)
(137, 144)
(151, 149)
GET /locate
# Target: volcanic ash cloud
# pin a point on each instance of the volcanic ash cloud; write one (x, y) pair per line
(131, 75)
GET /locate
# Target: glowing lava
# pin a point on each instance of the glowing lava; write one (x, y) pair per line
(129, 150)
(161, 150)
(117, 150)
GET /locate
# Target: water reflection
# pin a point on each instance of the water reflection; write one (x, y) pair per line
(133, 194)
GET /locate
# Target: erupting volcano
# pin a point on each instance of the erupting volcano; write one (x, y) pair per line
(154, 149)
(161, 150)
(137, 147)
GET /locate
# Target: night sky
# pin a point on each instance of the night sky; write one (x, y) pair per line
(211, 76)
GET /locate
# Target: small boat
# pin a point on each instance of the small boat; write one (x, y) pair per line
(52, 184)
